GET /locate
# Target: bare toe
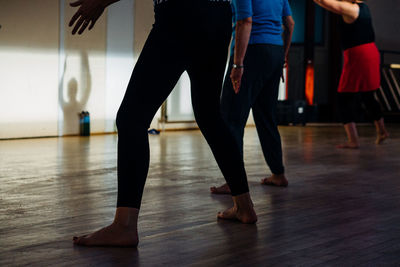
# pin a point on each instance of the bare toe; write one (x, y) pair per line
(275, 180)
(223, 189)
(78, 239)
(232, 214)
(348, 146)
(113, 235)
(229, 214)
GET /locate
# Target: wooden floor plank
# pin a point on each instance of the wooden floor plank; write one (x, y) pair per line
(341, 207)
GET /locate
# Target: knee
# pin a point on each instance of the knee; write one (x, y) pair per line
(128, 122)
(121, 119)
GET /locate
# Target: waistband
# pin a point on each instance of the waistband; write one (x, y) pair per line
(156, 2)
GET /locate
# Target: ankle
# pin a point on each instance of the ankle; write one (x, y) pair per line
(353, 142)
(278, 176)
(126, 217)
(242, 201)
(381, 132)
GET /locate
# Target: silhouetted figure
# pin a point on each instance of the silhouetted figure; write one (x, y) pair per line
(72, 106)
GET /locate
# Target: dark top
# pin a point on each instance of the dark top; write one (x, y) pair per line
(360, 31)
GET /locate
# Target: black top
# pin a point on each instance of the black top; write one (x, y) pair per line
(360, 31)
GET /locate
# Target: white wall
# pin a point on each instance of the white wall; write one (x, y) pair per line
(28, 68)
(47, 76)
(119, 57)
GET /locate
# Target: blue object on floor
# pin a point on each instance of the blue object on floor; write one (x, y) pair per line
(153, 131)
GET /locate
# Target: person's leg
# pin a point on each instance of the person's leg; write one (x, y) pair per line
(381, 132)
(374, 109)
(206, 69)
(352, 136)
(264, 113)
(155, 74)
(205, 99)
(235, 109)
(347, 103)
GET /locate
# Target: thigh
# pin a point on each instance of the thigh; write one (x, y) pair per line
(155, 74)
(206, 72)
(266, 95)
(264, 107)
(235, 108)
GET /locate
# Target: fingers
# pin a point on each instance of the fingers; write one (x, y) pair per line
(84, 26)
(74, 18)
(86, 16)
(78, 25)
(92, 24)
(236, 87)
(236, 78)
(81, 24)
(236, 81)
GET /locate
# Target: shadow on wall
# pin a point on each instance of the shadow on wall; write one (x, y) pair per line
(72, 106)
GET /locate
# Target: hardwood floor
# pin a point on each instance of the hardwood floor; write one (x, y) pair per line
(342, 207)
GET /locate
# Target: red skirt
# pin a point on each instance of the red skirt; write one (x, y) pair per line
(361, 71)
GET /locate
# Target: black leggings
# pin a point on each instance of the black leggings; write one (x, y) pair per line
(187, 35)
(348, 103)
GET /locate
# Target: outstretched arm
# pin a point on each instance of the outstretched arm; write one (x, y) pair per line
(86, 78)
(343, 8)
(88, 13)
(61, 86)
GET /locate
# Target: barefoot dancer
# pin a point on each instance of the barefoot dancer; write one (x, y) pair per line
(187, 35)
(253, 77)
(361, 75)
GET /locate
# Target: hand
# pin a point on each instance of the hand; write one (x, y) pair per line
(236, 78)
(88, 13)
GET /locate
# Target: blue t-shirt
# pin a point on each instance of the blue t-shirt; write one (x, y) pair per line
(266, 16)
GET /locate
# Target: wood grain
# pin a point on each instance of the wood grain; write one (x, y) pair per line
(341, 207)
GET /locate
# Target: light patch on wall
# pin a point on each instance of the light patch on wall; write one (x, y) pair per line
(28, 89)
(119, 69)
(179, 104)
(83, 85)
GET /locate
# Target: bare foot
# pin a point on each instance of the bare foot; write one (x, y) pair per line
(381, 137)
(275, 180)
(348, 145)
(223, 189)
(121, 233)
(381, 132)
(113, 235)
(241, 211)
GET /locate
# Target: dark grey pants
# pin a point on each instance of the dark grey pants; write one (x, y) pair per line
(259, 92)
